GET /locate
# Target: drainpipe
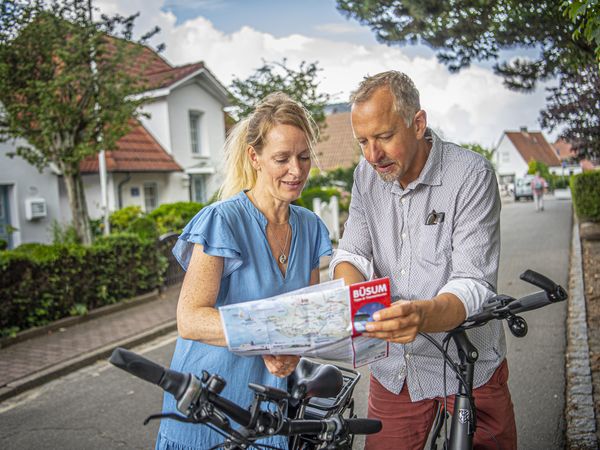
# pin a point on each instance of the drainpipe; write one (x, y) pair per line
(120, 185)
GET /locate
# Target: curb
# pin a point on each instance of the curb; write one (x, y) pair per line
(70, 321)
(579, 405)
(68, 366)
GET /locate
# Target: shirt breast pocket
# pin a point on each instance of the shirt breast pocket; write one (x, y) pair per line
(434, 244)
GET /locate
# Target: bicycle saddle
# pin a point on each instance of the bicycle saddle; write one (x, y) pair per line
(311, 379)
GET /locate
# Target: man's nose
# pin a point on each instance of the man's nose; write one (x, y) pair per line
(373, 152)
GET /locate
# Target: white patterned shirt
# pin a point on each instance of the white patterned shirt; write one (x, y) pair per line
(386, 236)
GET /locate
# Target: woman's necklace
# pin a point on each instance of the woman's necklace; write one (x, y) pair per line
(282, 256)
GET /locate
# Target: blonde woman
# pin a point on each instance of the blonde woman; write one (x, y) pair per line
(252, 244)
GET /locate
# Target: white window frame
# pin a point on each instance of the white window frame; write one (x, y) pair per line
(197, 145)
(154, 187)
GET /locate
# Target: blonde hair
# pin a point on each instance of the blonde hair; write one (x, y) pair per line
(274, 109)
(406, 95)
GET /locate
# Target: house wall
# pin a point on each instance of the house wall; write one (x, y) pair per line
(25, 181)
(158, 122)
(132, 188)
(192, 97)
(508, 160)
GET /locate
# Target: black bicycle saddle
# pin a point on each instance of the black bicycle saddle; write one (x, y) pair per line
(311, 379)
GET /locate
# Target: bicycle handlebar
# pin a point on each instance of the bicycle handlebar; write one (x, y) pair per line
(187, 388)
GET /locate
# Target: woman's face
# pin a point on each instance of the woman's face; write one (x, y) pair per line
(284, 164)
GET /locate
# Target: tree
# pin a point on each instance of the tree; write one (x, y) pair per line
(576, 101)
(585, 14)
(301, 85)
(462, 31)
(65, 88)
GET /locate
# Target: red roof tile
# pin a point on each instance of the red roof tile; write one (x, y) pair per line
(533, 146)
(337, 147)
(137, 151)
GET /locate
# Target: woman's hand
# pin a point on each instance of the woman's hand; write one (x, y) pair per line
(281, 365)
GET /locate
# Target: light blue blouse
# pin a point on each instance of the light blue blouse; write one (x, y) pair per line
(235, 230)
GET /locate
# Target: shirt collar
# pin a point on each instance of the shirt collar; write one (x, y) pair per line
(431, 173)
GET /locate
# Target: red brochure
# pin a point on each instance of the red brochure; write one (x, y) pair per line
(365, 299)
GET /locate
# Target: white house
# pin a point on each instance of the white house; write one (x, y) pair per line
(173, 155)
(517, 148)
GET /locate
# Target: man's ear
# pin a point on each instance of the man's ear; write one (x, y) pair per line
(251, 152)
(420, 124)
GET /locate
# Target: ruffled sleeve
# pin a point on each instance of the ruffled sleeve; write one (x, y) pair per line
(211, 230)
(322, 244)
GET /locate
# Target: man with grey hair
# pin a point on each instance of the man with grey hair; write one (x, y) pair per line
(426, 214)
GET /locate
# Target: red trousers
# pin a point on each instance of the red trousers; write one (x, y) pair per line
(406, 424)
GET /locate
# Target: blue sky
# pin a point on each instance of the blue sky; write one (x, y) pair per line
(234, 37)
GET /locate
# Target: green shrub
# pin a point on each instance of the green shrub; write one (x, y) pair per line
(41, 283)
(122, 218)
(585, 190)
(174, 216)
(144, 227)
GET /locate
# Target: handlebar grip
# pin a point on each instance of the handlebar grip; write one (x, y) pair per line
(364, 426)
(539, 280)
(171, 381)
(530, 302)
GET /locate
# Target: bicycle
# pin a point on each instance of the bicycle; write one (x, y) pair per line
(499, 307)
(319, 396)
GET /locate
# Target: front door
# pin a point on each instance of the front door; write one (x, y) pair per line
(5, 228)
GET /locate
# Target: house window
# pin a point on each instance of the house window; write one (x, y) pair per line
(196, 133)
(150, 196)
(199, 193)
(5, 226)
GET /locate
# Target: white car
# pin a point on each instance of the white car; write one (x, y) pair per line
(523, 188)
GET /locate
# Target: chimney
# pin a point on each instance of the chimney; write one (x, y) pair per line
(523, 129)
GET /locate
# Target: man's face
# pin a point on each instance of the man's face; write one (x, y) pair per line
(386, 142)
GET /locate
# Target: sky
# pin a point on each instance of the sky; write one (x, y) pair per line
(234, 37)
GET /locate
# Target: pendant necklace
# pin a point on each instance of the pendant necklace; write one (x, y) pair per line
(282, 256)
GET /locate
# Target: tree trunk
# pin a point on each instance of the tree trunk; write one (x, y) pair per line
(76, 194)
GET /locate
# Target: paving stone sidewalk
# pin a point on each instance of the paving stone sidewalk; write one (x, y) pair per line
(37, 360)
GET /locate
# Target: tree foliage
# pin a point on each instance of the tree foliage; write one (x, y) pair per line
(576, 101)
(462, 31)
(585, 14)
(65, 87)
(300, 84)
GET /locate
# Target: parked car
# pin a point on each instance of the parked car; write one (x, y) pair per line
(523, 188)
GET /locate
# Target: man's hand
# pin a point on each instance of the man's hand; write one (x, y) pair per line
(281, 365)
(400, 323)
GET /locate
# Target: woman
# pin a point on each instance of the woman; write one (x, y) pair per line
(253, 244)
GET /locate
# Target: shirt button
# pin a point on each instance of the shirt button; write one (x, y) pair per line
(403, 200)
(403, 271)
(403, 235)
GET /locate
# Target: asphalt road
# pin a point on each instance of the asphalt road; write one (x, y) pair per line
(101, 407)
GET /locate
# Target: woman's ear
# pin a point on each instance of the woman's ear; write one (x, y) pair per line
(253, 157)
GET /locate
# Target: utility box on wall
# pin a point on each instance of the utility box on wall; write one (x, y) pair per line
(35, 208)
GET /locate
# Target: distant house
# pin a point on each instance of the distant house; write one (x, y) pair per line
(568, 156)
(517, 148)
(173, 155)
(337, 147)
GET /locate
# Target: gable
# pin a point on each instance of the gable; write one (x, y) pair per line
(337, 147)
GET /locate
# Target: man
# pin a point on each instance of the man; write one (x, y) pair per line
(538, 187)
(425, 213)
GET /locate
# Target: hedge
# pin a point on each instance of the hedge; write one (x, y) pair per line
(41, 283)
(585, 190)
(174, 216)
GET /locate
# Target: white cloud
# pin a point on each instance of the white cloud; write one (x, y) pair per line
(472, 106)
(338, 28)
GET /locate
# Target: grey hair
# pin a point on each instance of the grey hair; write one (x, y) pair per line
(406, 95)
